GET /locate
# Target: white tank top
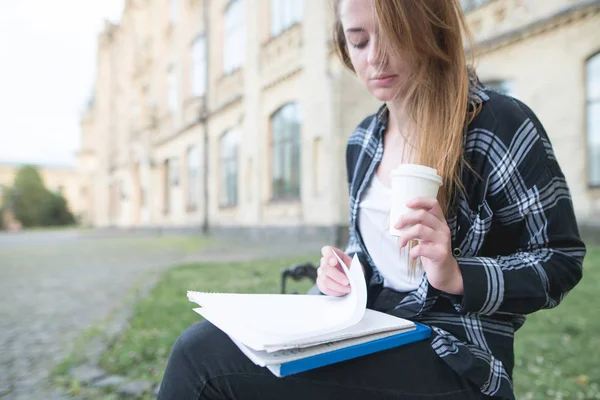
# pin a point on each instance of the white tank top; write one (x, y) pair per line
(373, 222)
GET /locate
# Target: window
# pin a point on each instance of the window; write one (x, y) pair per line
(172, 93)
(593, 119)
(285, 152)
(470, 5)
(193, 176)
(173, 10)
(174, 174)
(229, 169)
(199, 67)
(285, 13)
(501, 86)
(234, 46)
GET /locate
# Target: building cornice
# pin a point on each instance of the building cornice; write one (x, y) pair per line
(282, 78)
(563, 17)
(166, 139)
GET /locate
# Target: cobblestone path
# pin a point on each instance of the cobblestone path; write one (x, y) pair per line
(55, 285)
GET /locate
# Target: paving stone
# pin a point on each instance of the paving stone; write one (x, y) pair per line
(87, 373)
(135, 388)
(109, 381)
(4, 390)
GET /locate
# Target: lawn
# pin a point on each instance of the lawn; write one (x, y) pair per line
(557, 351)
(142, 350)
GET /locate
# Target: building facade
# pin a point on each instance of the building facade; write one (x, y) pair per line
(235, 113)
(546, 53)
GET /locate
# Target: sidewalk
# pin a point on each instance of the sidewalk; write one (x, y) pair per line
(238, 250)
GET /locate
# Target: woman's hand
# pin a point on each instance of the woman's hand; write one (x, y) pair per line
(331, 279)
(426, 223)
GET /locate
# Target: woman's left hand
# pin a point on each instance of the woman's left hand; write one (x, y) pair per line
(426, 223)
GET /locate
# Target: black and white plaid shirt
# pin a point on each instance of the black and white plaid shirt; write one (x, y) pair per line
(514, 235)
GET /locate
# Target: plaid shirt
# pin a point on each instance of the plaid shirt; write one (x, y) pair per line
(514, 235)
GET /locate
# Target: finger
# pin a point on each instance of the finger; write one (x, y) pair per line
(326, 251)
(334, 286)
(330, 292)
(430, 251)
(428, 203)
(346, 259)
(419, 231)
(325, 288)
(419, 216)
(336, 274)
(322, 262)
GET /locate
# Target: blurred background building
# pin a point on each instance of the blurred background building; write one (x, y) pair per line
(235, 113)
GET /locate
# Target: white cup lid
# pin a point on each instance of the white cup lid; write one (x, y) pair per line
(417, 170)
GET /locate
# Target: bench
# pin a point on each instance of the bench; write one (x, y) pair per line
(298, 272)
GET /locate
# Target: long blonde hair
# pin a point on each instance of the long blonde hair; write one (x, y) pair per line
(431, 33)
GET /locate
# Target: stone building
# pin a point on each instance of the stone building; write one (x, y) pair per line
(235, 113)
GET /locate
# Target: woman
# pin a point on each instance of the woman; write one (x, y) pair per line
(499, 242)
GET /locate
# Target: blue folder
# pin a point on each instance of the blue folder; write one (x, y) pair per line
(320, 360)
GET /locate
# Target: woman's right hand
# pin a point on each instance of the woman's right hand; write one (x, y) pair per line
(331, 279)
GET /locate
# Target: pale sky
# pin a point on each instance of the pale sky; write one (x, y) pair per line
(47, 67)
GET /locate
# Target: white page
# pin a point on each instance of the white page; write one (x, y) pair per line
(263, 358)
(274, 320)
(371, 323)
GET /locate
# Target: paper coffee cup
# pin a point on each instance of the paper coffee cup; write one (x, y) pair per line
(408, 182)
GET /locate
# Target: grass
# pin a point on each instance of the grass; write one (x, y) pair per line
(184, 244)
(142, 350)
(556, 351)
(53, 228)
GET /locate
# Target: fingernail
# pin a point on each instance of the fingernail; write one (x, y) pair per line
(332, 262)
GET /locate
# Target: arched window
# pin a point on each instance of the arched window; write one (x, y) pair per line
(593, 119)
(285, 152)
(193, 178)
(229, 169)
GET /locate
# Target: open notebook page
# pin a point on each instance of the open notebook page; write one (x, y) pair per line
(274, 320)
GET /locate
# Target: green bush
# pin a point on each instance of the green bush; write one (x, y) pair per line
(33, 204)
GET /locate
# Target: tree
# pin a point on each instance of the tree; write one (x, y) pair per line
(56, 211)
(33, 204)
(28, 196)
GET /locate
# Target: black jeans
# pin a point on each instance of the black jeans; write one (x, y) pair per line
(206, 364)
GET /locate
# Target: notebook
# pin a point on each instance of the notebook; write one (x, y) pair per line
(288, 362)
(292, 333)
